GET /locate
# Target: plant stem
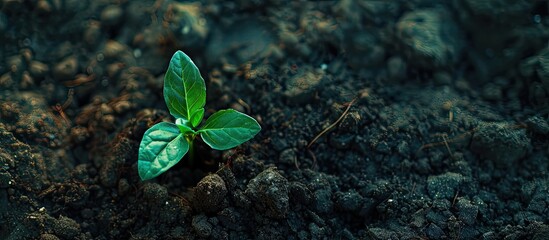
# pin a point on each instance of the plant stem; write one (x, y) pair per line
(190, 140)
(191, 152)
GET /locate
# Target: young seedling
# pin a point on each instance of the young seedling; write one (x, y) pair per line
(164, 144)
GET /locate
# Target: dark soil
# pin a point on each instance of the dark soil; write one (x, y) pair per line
(444, 109)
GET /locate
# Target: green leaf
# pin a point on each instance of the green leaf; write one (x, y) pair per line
(162, 146)
(196, 118)
(184, 88)
(228, 128)
(183, 126)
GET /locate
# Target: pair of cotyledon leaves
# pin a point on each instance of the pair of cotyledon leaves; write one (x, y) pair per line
(164, 144)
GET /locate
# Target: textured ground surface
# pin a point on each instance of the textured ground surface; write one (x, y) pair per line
(444, 132)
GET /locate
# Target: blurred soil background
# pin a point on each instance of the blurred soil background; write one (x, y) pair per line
(441, 112)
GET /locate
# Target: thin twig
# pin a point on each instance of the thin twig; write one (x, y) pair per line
(244, 104)
(445, 138)
(68, 102)
(333, 124)
(312, 156)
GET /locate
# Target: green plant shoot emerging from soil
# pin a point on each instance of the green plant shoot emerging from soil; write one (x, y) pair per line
(164, 144)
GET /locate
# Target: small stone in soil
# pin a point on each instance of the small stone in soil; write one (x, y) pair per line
(299, 193)
(434, 232)
(445, 185)
(155, 193)
(209, 193)
(269, 193)
(467, 212)
(430, 37)
(501, 143)
(201, 226)
(348, 201)
(301, 86)
(66, 228)
(323, 201)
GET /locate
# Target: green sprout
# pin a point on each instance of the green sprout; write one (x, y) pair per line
(164, 144)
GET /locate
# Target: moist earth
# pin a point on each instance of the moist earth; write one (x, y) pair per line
(380, 119)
